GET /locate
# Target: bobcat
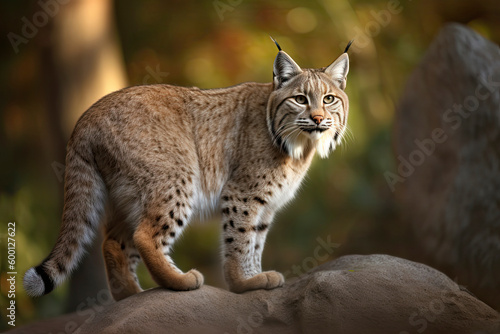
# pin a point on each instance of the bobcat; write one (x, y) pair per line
(147, 158)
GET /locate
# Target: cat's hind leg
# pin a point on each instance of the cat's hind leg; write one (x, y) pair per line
(154, 237)
(121, 263)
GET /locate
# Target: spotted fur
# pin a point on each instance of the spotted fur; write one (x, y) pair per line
(148, 158)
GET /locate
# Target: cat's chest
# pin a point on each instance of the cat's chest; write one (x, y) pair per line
(284, 189)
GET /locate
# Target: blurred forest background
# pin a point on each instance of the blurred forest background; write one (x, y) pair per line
(60, 56)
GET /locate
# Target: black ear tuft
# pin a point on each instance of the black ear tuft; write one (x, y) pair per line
(277, 45)
(348, 46)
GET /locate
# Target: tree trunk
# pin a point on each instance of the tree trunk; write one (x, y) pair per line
(82, 62)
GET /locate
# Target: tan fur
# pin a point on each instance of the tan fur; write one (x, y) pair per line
(123, 281)
(149, 157)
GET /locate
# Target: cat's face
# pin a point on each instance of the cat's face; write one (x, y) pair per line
(308, 107)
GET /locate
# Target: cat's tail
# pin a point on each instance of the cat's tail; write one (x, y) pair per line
(84, 201)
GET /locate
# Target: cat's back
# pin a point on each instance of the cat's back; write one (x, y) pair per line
(135, 116)
(155, 120)
(161, 104)
(134, 103)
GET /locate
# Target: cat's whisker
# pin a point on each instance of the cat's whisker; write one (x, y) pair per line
(295, 132)
(278, 134)
(346, 139)
(282, 133)
(348, 136)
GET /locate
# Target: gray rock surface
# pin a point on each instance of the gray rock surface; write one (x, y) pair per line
(353, 294)
(448, 132)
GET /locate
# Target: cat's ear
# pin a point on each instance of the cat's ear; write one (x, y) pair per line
(284, 69)
(338, 70)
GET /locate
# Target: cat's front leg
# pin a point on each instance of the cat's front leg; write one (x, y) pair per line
(245, 226)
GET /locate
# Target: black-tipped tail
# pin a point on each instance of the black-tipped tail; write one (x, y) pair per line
(37, 282)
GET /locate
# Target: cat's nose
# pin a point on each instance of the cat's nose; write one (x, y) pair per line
(317, 119)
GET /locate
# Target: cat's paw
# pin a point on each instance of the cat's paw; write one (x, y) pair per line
(198, 279)
(274, 279)
(191, 280)
(267, 280)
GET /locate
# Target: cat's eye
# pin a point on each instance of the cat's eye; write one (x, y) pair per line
(328, 99)
(301, 99)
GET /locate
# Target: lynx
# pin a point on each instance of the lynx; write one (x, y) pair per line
(146, 159)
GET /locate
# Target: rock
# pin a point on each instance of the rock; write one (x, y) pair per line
(353, 294)
(447, 133)
(64, 324)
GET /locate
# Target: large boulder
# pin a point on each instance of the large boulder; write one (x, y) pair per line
(353, 294)
(447, 141)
